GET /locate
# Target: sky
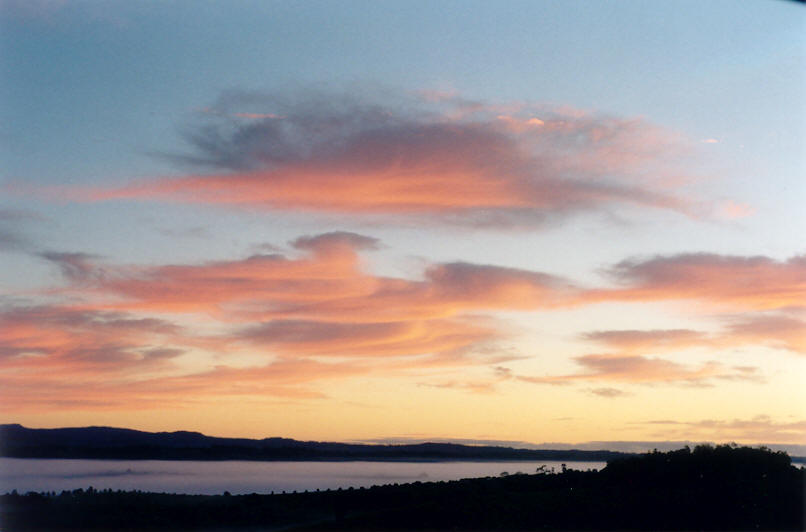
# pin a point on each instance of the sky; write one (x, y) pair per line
(537, 222)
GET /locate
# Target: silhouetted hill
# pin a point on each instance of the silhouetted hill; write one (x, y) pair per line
(105, 442)
(709, 488)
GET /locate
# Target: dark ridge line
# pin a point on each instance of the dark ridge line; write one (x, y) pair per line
(17, 441)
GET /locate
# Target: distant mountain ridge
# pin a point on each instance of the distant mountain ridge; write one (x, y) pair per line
(17, 441)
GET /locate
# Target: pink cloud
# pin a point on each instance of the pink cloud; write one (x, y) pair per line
(316, 302)
(493, 164)
(778, 330)
(74, 342)
(753, 283)
(730, 210)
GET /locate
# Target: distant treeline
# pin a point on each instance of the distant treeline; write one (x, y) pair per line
(17, 441)
(708, 488)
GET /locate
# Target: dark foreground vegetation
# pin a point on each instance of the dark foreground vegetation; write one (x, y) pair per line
(709, 488)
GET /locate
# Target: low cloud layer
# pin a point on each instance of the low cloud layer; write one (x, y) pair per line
(313, 308)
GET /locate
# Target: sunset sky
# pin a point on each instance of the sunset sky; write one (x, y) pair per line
(512, 221)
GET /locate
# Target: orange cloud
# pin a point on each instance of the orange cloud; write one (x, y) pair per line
(326, 284)
(281, 379)
(85, 342)
(295, 309)
(630, 362)
(340, 155)
(317, 303)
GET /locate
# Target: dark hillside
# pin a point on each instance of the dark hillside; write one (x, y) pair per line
(17, 441)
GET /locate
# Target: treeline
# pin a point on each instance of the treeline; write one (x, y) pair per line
(17, 441)
(708, 488)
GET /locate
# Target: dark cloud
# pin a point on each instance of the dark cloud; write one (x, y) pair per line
(162, 353)
(334, 241)
(76, 267)
(280, 128)
(189, 232)
(11, 240)
(14, 229)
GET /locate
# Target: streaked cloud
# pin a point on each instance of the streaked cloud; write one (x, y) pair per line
(314, 302)
(313, 305)
(278, 380)
(778, 330)
(619, 367)
(319, 299)
(753, 283)
(76, 342)
(646, 340)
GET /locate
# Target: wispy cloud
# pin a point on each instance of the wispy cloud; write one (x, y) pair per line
(731, 210)
(609, 393)
(14, 229)
(760, 428)
(646, 340)
(634, 359)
